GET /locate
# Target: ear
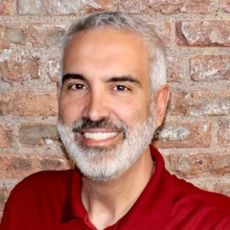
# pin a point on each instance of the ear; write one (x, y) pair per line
(161, 102)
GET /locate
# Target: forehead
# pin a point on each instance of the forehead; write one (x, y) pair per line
(107, 49)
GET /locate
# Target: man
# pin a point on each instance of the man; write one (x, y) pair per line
(113, 95)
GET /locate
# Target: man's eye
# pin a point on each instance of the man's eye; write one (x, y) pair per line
(121, 88)
(77, 86)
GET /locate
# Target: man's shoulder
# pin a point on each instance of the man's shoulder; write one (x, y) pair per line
(208, 207)
(38, 195)
(49, 176)
(42, 182)
(186, 190)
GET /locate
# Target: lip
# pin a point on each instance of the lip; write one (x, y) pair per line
(99, 137)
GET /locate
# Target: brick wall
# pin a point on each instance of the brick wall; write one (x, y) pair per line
(196, 136)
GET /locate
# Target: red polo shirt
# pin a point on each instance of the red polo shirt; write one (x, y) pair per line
(51, 200)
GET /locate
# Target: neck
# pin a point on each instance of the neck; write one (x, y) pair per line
(107, 202)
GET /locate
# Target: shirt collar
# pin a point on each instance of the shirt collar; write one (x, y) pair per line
(151, 208)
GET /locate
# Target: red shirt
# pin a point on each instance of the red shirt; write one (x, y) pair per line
(51, 200)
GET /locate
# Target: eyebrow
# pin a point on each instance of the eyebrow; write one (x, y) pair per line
(72, 76)
(125, 78)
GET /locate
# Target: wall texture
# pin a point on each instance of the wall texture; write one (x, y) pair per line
(196, 136)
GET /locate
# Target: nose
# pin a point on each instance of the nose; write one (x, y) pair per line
(96, 107)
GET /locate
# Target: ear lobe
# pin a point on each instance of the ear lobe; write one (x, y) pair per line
(161, 102)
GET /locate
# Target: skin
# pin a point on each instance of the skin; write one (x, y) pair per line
(107, 77)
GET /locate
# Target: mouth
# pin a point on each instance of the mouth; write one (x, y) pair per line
(99, 137)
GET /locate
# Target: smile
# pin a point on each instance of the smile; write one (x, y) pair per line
(99, 135)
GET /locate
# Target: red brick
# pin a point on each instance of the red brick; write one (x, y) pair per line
(185, 6)
(135, 5)
(48, 7)
(104, 4)
(202, 164)
(32, 7)
(210, 68)
(199, 6)
(167, 7)
(19, 70)
(224, 5)
(89, 6)
(45, 35)
(35, 35)
(19, 166)
(37, 134)
(203, 33)
(54, 70)
(223, 188)
(28, 103)
(206, 183)
(15, 35)
(219, 184)
(4, 193)
(57, 7)
(7, 7)
(200, 103)
(5, 137)
(178, 103)
(53, 164)
(4, 43)
(163, 30)
(224, 132)
(175, 68)
(176, 134)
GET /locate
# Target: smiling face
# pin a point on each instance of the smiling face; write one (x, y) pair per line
(106, 75)
(104, 109)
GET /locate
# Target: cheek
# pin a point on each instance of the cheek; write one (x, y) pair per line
(69, 111)
(133, 112)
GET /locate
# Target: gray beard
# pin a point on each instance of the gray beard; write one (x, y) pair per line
(104, 164)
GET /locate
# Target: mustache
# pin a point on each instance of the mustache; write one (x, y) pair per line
(86, 123)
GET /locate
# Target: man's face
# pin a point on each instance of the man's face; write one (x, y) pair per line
(104, 110)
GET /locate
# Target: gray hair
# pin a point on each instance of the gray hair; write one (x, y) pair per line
(132, 23)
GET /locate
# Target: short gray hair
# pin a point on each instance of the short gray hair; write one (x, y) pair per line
(132, 23)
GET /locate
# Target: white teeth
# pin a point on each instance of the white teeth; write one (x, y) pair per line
(99, 135)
